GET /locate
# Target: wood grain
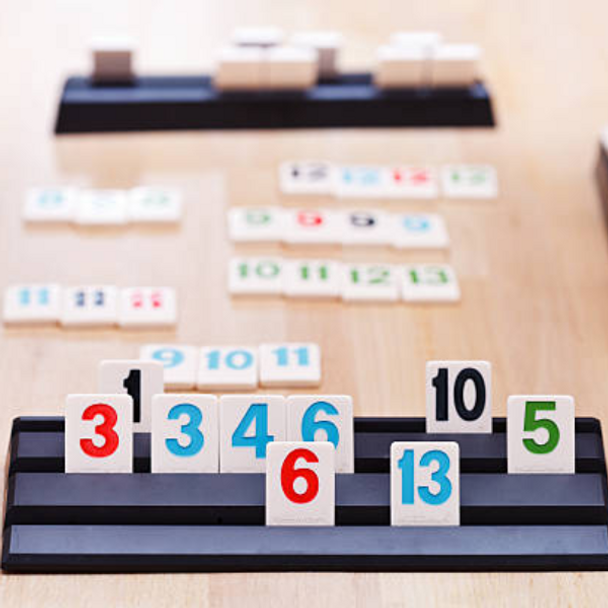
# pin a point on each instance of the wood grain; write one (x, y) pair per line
(533, 265)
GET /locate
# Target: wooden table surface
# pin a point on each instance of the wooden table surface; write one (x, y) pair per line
(533, 264)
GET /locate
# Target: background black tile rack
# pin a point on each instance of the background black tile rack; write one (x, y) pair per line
(203, 522)
(152, 103)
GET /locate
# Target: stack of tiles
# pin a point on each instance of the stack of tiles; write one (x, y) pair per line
(322, 178)
(258, 60)
(90, 306)
(87, 207)
(291, 364)
(328, 227)
(323, 279)
(422, 59)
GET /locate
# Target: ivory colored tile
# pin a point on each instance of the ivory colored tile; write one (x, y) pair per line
(314, 279)
(455, 65)
(411, 182)
(401, 67)
(264, 36)
(155, 205)
(89, 306)
(540, 434)
(185, 434)
(50, 205)
(367, 227)
(248, 424)
(424, 40)
(113, 59)
(327, 45)
(430, 283)
(102, 208)
(255, 276)
(180, 363)
(469, 181)
(147, 308)
(256, 224)
(360, 182)
(425, 483)
(370, 283)
(458, 397)
(290, 364)
(312, 227)
(240, 69)
(227, 368)
(300, 484)
(293, 68)
(139, 379)
(99, 434)
(324, 418)
(419, 231)
(33, 304)
(307, 177)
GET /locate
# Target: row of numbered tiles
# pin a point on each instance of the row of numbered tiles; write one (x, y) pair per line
(236, 367)
(350, 282)
(391, 181)
(89, 207)
(195, 433)
(325, 226)
(90, 306)
(458, 400)
(231, 434)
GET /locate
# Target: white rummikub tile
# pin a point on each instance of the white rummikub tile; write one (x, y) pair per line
(312, 227)
(255, 276)
(147, 307)
(540, 434)
(314, 279)
(324, 418)
(469, 181)
(411, 182)
(102, 208)
(430, 283)
(425, 40)
(419, 231)
(262, 36)
(306, 495)
(139, 379)
(327, 44)
(425, 483)
(227, 368)
(248, 424)
(239, 69)
(90, 306)
(291, 364)
(366, 227)
(307, 177)
(185, 434)
(370, 283)
(400, 67)
(293, 68)
(33, 304)
(155, 205)
(357, 181)
(458, 397)
(113, 58)
(99, 433)
(255, 224)
(455, 65)
(180, 363)
(50, 205)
